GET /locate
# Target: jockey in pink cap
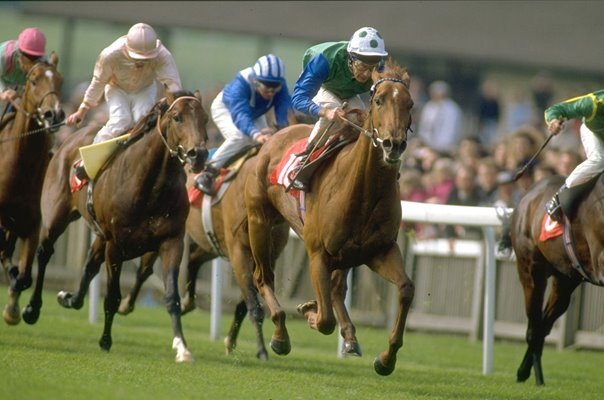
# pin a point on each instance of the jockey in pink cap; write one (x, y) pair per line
(16, 59)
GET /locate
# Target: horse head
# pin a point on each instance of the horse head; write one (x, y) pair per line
(390, 111)
(184, 123)
(42, 95)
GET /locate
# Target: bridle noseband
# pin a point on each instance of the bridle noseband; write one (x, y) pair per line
(180, 151)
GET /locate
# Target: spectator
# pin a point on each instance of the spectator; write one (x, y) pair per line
(518, 111)
(567, 162)
(489, 112)
(487, 181)
(440, 120)
(439, 181)
(465, 192)
(470, 151)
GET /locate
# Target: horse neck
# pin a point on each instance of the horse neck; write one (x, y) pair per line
(367, 172)
(152, 159)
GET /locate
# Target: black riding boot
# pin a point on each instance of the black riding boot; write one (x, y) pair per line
(205, 181)
(299, 182)
(80, 173)
(553, 207)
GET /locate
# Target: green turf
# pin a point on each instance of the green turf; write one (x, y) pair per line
(59, 358)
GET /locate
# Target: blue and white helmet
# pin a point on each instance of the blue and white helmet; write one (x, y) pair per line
(269, 68)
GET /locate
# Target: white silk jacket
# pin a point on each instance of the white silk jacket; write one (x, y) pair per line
(114, 67)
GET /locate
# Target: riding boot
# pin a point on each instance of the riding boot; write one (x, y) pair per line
(205, 181)
(553, 207)
(80, 173)
(299, 182)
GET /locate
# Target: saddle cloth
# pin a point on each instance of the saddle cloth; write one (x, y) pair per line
(549, 228)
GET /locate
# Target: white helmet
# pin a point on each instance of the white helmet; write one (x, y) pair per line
(368, 42)
(269, 68)
(141, 42)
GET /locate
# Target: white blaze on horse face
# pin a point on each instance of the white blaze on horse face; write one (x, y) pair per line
(395, 94)
(49, 74)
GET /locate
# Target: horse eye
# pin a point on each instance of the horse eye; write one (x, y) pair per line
(379, 101)
(177, 118)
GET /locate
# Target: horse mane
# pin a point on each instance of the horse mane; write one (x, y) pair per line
(149, 121)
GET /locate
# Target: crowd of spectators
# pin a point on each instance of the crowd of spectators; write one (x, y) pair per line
(448, 164)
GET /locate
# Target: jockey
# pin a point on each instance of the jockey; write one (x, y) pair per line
(590, 108)
(126, 71)
(335, 72)
(17, 57)
(239, 112)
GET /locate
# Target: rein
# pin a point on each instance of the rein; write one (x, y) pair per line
(373, 133)
(180, 151)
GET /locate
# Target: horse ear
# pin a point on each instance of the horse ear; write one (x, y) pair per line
(198, 95)
(53, 58)
(406, 78)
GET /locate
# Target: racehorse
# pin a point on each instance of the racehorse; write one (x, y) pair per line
(538, 260)
(25, 146)
(353, 211)
(139, 204)
(229, 221)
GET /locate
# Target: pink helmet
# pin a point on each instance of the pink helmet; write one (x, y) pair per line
(32, 42)
(141, 42)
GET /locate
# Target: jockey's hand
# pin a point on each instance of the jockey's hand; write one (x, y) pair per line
(555, 126)
(332, 114)
(8, 95)
(77, 117)
(262, 138)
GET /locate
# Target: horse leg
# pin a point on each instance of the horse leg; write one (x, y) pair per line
(113, 263)
(11, 312)
(259, 228)
(144, 271)
(534, 282)
(170, 253)
(320, 314)
(94, 259)
(242, 269)
(31, 312)
(196, 258)
(390, 266)
(347, 329)
(557, 304)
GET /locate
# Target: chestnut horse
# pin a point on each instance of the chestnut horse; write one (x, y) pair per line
(538, 260)
(229, 220)
(140, 205)
(353, 212)
(25, 146)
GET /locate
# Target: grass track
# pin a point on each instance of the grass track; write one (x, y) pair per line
(59, 358)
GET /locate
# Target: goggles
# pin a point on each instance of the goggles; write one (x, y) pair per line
(269, 86)
(361, 66)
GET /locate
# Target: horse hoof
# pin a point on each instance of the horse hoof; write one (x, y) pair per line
(522, 375)
(281, 347)
(185, 356)
(229, 346)
(380, 368)
(310, 305)
(11, 315)
(262, 355)
(105, 343)
(125, 308)
(352, 349)
(30, 314)
(187, 306)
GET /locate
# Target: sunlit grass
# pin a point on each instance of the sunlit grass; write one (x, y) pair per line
(59, 358)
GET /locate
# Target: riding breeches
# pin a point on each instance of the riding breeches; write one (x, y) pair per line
(125, 109)
(594, 164)
(234, 139)
(327, 99)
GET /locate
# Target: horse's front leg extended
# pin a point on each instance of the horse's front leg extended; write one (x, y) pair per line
(31, 312)
(94, 259)
(390, 266)
(321, 317)
(144, 271)
(170, 254)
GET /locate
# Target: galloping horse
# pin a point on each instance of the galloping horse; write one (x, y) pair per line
(139, 203)
(538, 260)
(353, 212)
(229, 221)
(25, 146)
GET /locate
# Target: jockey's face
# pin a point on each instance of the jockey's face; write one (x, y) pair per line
(267, 91)
(361, 71)
(25, 62)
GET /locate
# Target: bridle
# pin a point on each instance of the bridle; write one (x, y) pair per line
(180, 151)
(373, 133)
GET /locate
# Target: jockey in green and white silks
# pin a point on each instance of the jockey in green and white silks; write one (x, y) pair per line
(590, 109)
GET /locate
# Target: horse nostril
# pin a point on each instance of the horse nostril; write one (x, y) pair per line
(403, 146)
(49, 115)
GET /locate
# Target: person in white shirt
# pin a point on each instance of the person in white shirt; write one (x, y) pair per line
(126, 71)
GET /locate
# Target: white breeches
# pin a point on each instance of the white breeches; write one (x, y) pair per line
(125, 109)
(594, 164)
(235, 140)
(327, 99)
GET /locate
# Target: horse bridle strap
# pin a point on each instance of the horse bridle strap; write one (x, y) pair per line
(179, 151)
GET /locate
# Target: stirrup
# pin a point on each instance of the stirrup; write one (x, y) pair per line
(80, 173)
(554, 209)
(205, 182)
